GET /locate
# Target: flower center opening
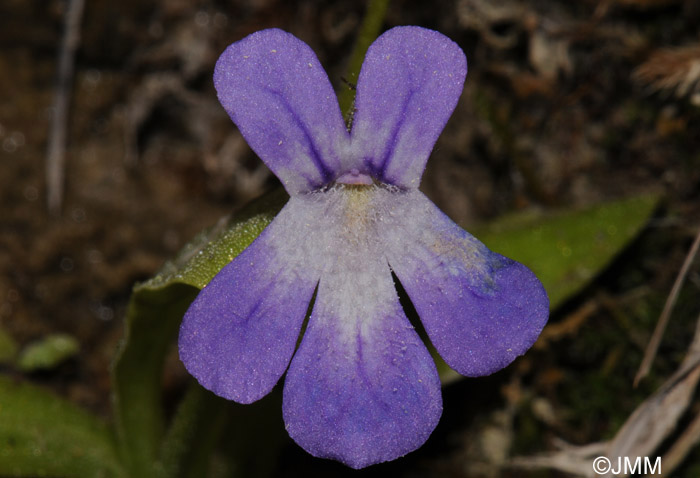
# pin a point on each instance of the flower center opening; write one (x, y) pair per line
(356, 178)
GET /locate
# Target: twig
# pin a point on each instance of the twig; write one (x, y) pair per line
(55, 157)
(691, 435)
(653, 347)
(683, 446)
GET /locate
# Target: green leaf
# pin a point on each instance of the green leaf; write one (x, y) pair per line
(47, 353)
(567, 249)
(43, 435)
(153, 319)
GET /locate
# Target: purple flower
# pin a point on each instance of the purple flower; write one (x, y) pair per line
(361, 387)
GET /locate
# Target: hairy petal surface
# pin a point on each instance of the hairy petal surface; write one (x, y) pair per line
(481, 310)
(410, 82)
(275, 90)
(362, 387)
(239, 334)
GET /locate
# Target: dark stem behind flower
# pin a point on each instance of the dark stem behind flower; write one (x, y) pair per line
(372, 24)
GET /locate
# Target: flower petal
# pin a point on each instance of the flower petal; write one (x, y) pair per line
(408, 87)
(275, 90)
(239, 334)
(362, 388)
(481, 310)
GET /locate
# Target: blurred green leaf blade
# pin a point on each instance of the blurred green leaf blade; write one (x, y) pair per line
(43, 435)
(48, 352)
(565, 250)
(568, 249)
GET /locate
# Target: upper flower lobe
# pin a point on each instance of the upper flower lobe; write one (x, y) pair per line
(361, 387)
